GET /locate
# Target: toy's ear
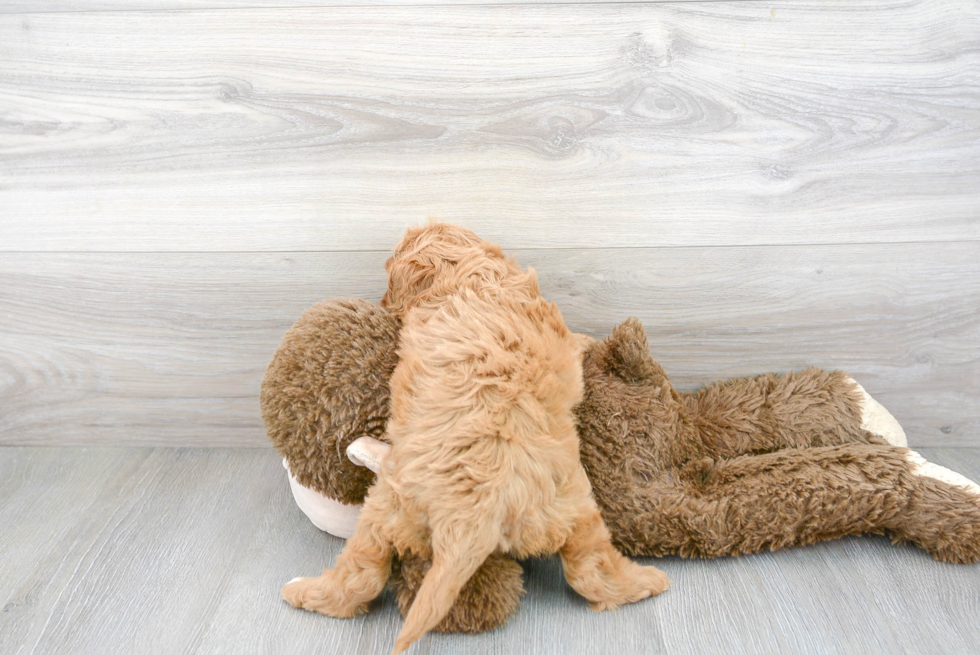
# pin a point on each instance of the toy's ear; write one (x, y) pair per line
(628, 354)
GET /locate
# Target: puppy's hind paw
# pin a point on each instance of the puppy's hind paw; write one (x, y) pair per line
(322, 596)
(294, 591)
(656, 580)
(645, 582)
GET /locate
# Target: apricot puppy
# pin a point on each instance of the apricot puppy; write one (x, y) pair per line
(484, 456)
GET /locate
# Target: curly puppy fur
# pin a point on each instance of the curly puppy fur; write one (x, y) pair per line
(485, 456)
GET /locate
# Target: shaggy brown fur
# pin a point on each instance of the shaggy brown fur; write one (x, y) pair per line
(484, 451)
(750, 464)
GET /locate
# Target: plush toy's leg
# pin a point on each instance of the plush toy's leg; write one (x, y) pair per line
(597, 571)
(361, 570)
(797, 410)
(878, 420)
(944, 517)
(924, 468)
(487, 600)
(795, 497)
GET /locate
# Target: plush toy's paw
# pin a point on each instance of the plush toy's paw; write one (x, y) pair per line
(877, 419)
(921, 466)
(644, 582)
(322, 595)
(943, 516)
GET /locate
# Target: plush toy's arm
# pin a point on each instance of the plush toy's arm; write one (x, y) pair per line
(741, 416)
(798, 410)
(799, 496)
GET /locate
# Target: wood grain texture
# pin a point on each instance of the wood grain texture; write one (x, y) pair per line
(45, 6)
(605, 125)
(185, 550)
(170, 349)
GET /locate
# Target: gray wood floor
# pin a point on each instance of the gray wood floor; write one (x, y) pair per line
(139, 550)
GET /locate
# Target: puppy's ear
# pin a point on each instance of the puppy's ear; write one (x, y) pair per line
(408, 280)
(628, 354)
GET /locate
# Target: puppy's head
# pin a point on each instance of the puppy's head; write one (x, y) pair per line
(426, 254)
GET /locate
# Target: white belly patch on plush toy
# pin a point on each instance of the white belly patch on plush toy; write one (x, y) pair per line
(323, 511)
(333, 516)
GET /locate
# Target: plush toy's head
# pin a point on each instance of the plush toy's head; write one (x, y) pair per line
(326, 386)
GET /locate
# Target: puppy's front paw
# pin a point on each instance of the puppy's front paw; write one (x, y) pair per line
(321, 595)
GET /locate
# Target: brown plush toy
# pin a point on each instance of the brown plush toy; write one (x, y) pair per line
(738, 467)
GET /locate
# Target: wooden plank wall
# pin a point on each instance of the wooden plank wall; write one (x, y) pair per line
(766, 185)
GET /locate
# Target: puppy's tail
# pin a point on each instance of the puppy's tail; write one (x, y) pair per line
(456, 555)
